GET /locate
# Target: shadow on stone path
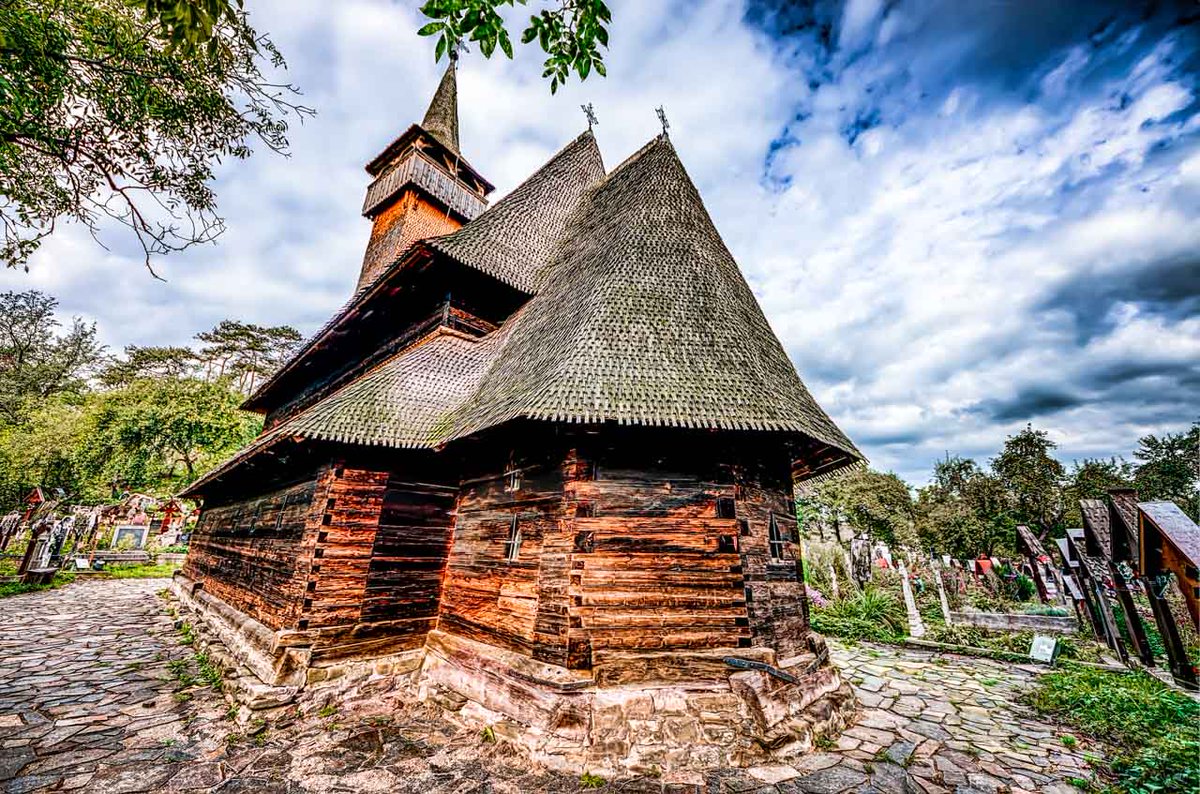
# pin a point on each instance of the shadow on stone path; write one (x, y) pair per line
(89, 702)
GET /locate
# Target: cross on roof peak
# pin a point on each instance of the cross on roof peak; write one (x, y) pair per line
(590, 113)
(662, 117)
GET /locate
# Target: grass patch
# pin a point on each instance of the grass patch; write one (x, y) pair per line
(139, 571)
(186, 635)
(20, 588)
(210, 673)
(1151, 727)
(587, 781)
(870, 614)
(1015, 642)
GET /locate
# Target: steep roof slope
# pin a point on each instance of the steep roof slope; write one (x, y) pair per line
(514, 239)
(441, 119)
(644, 318)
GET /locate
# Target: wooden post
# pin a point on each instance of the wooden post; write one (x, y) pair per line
(1133, 621)
(833, 582)
(1177, 658)
(1107, 621)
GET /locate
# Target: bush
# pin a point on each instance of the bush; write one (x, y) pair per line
(1152, 727)
(871, 614)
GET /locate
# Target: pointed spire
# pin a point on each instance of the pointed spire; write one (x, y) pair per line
(441, 120)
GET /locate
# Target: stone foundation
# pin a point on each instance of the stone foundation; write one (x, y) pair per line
(661, 713)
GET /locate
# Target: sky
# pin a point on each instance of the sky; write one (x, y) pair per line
(959, 218)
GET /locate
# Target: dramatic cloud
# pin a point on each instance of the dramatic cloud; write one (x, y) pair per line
(959, 217)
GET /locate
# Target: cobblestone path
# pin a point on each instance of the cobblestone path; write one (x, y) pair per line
(90, 701)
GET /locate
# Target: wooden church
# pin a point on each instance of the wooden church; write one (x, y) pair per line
(539, 470)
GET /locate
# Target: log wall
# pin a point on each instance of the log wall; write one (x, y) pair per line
(776, 604)
(254, 553)
(653, 565)
(404, 582)
(488, 597)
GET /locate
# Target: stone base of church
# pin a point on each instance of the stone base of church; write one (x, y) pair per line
(649, 713)
(723, 716)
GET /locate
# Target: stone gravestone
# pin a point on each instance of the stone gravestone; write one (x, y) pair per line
(1043, 648)
(916, 629)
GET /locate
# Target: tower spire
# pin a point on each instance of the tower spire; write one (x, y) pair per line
(441, 120)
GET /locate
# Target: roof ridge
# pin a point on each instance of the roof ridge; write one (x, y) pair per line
(513, 239)
(637, 155)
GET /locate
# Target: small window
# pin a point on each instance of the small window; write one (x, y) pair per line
(774, 540)
(512, 546)
(725, 508)
(512, 480)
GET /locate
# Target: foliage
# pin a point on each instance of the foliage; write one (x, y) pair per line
(166, 431)
(1093, 478)
(245, 353)
(964, 511)
(1024, 588)
(37, 359)
(1151, 726)
(111, 109)
(870, 614)
(1169, 469)
(1032, 479)
(151, 436)
(876, 503)
(570, 34)
(148, 362)
(818, 557)
(161, 417)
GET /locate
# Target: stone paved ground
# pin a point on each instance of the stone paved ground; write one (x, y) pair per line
(90, 701)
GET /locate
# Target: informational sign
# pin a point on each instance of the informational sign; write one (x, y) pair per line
(1043, 648)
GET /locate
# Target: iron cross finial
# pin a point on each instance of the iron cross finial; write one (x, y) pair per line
(590, 113)
(662, 117)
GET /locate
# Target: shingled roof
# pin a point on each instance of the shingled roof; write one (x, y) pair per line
(640, 316)
(644, 318)
(514, 239)
(441, 119)
(1096, 526)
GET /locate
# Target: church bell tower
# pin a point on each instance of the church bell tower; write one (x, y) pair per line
(423, 187)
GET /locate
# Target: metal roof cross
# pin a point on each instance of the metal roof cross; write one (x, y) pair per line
(662, 117)
(591, 114)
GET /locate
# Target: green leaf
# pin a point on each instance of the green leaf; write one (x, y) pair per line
(506, 45)
(440, 50)
(431, 28)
